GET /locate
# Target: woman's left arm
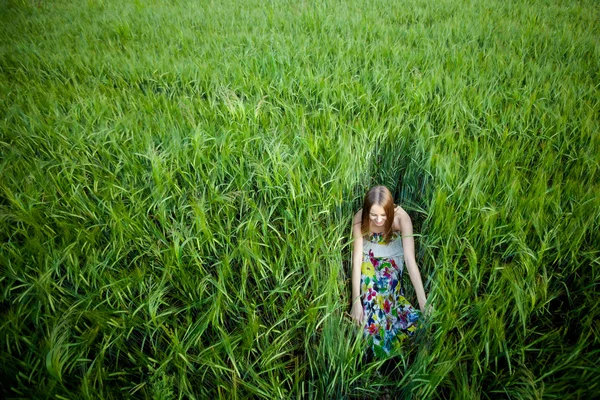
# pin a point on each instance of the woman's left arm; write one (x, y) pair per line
(408, 243)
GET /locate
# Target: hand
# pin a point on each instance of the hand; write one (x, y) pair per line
(357, 312)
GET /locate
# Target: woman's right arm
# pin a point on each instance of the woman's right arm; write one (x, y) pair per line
(357, 257)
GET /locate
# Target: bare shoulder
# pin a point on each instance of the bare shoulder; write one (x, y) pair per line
(356, 222)
(357, 217)
(401, 220)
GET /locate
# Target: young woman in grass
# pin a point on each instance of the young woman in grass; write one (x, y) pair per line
(383, 242)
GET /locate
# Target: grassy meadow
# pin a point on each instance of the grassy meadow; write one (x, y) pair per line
(177, 182)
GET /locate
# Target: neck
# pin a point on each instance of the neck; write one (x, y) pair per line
(376, 229)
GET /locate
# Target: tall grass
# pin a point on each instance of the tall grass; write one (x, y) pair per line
(177, 183)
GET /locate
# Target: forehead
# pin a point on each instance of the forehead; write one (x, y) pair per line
(377, 209)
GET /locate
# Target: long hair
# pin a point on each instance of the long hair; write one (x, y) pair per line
(381, 196)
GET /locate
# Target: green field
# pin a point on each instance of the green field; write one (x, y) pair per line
(177, 182)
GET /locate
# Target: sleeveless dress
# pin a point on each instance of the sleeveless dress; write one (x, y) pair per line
(388, 317)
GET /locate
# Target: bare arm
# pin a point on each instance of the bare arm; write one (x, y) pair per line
(357, 256)
(408, 243)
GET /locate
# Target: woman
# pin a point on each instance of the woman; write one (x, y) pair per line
(383, 241)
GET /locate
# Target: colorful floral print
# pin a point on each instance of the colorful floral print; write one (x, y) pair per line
(389, 317)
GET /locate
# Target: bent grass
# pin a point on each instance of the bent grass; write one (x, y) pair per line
(177, 183)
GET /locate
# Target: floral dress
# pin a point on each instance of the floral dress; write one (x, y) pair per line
(389, 318)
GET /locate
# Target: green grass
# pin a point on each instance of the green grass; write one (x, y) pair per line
(177, 182)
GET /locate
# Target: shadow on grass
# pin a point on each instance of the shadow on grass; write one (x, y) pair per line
(397, 166)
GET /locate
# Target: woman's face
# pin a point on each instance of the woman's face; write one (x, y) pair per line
(377, 215)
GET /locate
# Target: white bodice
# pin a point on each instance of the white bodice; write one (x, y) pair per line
(393, 249)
